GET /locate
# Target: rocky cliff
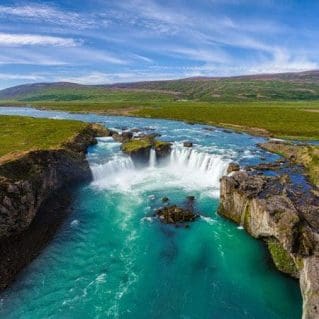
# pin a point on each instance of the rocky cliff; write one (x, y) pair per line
(32, 203)
(286, 216)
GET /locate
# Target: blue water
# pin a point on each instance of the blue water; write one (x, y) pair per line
(112, 259)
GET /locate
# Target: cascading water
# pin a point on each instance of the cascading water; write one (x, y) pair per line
(186, 168)
(204, 167)
(152, 158)
(114, 166)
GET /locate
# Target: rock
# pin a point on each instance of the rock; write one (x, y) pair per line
(139, 150)
(188, 144)
(165, 199)
(174, 215)
(276, 210)
(233, 167)
(34, 196)
(122, 137)
(162, 149)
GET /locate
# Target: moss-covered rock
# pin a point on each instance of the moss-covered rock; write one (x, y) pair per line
(281, 258)
(162, 149)
(139, 149)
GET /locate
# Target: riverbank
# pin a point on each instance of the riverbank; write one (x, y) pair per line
(302, 154)
(280, 207)
(41, 161)
(281, 119)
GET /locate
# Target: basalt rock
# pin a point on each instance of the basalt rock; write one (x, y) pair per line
(26, 184)
(188, 144)
(274, 209)
(122, 137)
(176, 215)
(162, 149)
(233, 167)
(139, 149)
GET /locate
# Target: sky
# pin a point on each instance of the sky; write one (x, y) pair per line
(107, 41)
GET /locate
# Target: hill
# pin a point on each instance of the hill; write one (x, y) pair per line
(262, 87)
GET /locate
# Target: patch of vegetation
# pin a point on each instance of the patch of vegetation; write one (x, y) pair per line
(19, 134)
(281, 257)
(134, 145)
(306, 155)
(95, 95)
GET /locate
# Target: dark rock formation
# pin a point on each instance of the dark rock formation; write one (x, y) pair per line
(26, 185)
(175, 215)
(122, 137)
(162, 149)
(233, 167)
(139, 149)
(188, 144)
(274, 209)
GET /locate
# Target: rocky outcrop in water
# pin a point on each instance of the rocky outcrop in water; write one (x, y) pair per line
(31, 203)
(176, 215)
(286, 216)
(139, 149)
(188, 144)
(173, 214)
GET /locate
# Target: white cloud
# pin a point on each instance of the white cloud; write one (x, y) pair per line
(9, 39)
(39, 12)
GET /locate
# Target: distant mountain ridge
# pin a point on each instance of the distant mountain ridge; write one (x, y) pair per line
(295, 85)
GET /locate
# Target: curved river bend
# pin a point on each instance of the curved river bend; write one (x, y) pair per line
(111, 259)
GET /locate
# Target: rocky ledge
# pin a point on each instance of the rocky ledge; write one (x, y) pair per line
(286, 216)
(139, 149)
(34, 195)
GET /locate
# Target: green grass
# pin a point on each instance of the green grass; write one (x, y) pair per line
(135, 145)
(95, 95)
(284, 119)
(239, 89)
(278, 107)
(20, 134)
(281, 119)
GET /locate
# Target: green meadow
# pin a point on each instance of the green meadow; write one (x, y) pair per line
(19, 134)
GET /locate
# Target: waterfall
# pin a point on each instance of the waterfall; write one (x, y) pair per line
(152, 161)
(207, 167)
(114, 166)
(186, 168)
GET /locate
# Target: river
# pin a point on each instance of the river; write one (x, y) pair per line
(113, 259)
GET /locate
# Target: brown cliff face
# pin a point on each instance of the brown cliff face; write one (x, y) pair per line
(271, 208)
(31, 201)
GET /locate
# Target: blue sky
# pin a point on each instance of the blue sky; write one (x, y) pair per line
(107, 41)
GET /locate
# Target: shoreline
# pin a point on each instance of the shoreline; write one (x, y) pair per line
(36, 192)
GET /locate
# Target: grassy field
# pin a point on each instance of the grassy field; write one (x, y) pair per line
(295, 119)
(287, 107)
(284, 120)
(20, 134)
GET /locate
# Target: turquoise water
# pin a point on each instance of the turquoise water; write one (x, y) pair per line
(112, 259)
